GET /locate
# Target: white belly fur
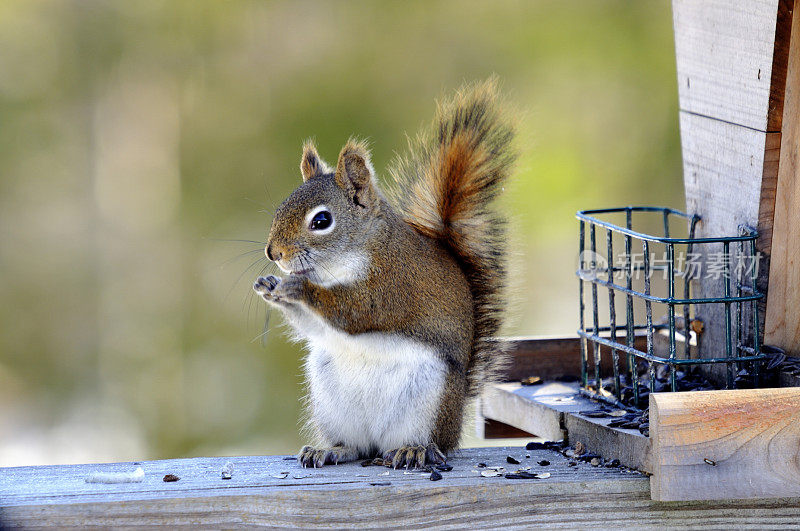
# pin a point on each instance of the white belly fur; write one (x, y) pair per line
(372, 390)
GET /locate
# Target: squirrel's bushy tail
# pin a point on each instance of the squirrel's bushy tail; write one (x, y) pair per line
(450, 177)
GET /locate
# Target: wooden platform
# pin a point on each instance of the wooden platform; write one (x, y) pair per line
(703, 445)
(354, 496)
(553, 411)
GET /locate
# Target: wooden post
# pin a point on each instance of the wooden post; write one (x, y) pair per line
(731, 62)
(783, 304)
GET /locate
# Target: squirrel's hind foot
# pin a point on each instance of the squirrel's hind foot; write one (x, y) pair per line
(310, 457)
(415, 456)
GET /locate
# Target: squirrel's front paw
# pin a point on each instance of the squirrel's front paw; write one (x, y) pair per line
(312, 457)
(264, 286)
(290, 288)
(275, 289)
(415, 456)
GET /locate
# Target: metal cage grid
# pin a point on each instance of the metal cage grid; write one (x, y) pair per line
(739, 351)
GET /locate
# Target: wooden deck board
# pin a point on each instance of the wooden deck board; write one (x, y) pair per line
(552, 411)
(339, 497)
(330, 496)
(62, 484)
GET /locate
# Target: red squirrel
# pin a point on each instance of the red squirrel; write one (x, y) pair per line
(397, 300)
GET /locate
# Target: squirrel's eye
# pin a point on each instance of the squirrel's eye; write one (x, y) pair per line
(321, 220)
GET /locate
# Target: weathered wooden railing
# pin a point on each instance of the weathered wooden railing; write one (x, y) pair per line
(271, 491)
(275, 491)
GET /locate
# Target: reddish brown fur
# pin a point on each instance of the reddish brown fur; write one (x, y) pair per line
(456, 171)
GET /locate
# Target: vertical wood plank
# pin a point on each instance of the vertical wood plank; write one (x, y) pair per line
(724, 53)
(782, 326)
(732, 67)
(729, 177)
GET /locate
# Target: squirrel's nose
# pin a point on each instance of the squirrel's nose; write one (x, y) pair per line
(268, 252)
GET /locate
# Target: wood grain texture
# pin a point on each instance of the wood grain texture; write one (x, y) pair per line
(732, 109)
(723, 167)
(724, 53)
(725, 444)
(780, 60)
(729, 178)
(782, 327)
(766, 215)
(334, 496)
(769, 183)
(338, 498)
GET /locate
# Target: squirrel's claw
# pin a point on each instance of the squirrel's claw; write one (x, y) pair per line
(310, 457)
(415, 456)
(280, 290)
(265, 285)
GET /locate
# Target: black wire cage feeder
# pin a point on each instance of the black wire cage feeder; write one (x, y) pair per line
(649, 278)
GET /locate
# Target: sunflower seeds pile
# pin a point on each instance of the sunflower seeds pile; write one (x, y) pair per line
(621, 418)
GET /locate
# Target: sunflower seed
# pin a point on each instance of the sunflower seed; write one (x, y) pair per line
(512, 460)
(490, 473)
(521, 474)
(435, 476)
(280, 475)
(710, 462)
(169, 478)
(594, 414)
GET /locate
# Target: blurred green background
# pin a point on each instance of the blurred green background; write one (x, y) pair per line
(135, 136)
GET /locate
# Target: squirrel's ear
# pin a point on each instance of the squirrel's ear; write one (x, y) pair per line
(354, 173)
(311, 165)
